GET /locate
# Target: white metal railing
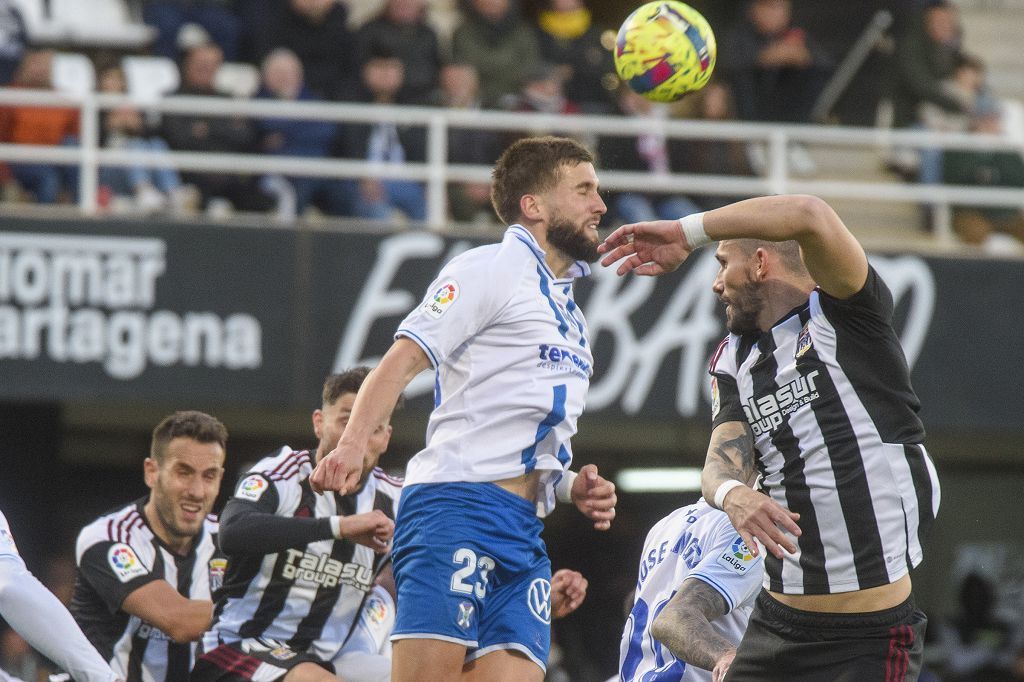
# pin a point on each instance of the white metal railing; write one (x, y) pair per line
(436, 172)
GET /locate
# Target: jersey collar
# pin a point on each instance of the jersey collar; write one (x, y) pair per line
(578, 269)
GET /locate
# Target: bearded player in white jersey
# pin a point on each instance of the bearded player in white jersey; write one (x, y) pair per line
(513, 360)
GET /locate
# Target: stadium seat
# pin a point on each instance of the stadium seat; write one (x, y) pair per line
(100, 23)
(238, 79)
(73, 74)
(150, 78)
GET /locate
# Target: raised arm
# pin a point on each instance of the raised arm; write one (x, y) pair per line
(684, 626)
(341, 468)
(834, 258)
(730, 463)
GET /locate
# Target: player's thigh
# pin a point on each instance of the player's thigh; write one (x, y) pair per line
(426, 660)
(505, 664)
(309, 672)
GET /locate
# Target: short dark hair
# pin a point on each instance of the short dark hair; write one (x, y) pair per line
(349, 381)
(530, 166)
(198, 426)
(789, 252)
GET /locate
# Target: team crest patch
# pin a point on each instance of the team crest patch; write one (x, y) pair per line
(539, 599)
(716, 399)
(282, 653)
(438, 304)
(217, 568)
(803, 342)
(465, 617)
(252, 488)
(737, 557)
(125, 562)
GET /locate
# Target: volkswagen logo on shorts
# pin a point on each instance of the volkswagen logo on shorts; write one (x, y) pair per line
(539, 599)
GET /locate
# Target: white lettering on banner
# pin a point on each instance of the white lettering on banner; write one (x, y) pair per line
(377, 300)
(88, 299)
(689, 322)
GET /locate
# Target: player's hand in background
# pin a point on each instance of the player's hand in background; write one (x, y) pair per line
(594, 495)
(372, 529)
(568, 590)
(651, 248)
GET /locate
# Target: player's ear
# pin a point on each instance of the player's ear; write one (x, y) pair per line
(150, 469)
(387, 435)
(531, 207)
(318, 422)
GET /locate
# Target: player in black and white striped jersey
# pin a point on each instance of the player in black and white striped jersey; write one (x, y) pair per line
(812, 388)
(146, 570)
(304, 591)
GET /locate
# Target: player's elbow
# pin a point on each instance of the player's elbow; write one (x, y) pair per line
(662, 627)
(810, 213)
(187, 630)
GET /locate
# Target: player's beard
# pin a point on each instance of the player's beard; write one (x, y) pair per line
(572, 240)
(743, 309)
(165, 505)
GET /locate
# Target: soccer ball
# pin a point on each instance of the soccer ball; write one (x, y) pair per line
(664, 50)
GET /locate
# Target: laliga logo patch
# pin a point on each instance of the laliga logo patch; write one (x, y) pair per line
(436, 305)
(125, 562)
(738, 557)
(376, 610)
(252, 488)
(539, 599)
(803, 342)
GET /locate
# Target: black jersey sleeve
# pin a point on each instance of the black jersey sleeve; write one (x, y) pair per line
(725, 400)
(253, 527)
(874, 301)
(114, 570)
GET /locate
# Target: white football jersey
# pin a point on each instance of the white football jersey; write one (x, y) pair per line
(699, 542)
(513, 362)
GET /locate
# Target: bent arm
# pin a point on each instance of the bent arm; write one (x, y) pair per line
(42, 620)
(244, 529)
(833, 256)
(684, 625)
(730, 456)
(159, 604)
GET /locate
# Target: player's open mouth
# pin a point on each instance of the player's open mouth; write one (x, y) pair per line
(192, 509)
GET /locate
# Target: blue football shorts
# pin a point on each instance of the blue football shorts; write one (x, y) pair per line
(471, 568)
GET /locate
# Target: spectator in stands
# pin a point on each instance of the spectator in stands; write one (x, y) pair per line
(13, 40)
(502, 47)
(460, 89)
(151, 189)
(213, 133)
(386, 143)
(543, 91)
(316, 31)
(776, 69)
(402, 27)
(215, 16)
(283, 80)
(985, 168)
(977, 643)
(650, 153)
(569, 38)
(52, 126)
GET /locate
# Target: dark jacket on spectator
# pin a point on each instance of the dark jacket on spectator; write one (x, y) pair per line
(416, 45)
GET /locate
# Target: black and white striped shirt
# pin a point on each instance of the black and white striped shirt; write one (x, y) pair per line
(306, 594)
(117, 554)
(828, 397)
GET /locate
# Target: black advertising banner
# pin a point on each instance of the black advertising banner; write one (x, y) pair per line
(241, 315)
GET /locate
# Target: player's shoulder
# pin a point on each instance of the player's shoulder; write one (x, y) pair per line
(722, 360)
(386, 483)
(124, 525)
(283, 466)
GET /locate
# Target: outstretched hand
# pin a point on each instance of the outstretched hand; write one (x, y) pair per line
(651, 248)
(568, 590)
(755, 515)
(594, 496)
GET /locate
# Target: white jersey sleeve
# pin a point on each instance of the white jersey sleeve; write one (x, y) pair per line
(729, 567)
(465, 297)
(41, 619)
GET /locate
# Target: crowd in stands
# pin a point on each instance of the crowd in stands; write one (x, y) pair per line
(499, 55)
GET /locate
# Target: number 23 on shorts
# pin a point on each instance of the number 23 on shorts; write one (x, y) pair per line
(470, 564)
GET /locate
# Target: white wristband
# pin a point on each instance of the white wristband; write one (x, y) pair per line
(336, 527)
(692, 227)
(724, 489)
(563, 489)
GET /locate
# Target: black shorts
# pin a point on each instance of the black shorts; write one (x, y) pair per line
(241, 661)
(786, 644)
